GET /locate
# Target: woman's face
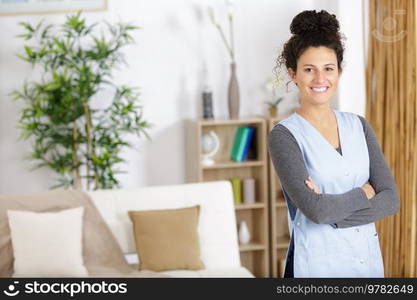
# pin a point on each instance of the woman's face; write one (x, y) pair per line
(317, 75)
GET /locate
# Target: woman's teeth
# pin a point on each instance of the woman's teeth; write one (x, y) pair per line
(320, 90)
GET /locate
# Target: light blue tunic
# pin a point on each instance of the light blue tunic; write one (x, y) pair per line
(320, 249)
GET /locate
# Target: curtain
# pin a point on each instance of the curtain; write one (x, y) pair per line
(391, 109)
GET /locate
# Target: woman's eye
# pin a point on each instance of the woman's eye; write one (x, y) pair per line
(308, 69)
(329, 69)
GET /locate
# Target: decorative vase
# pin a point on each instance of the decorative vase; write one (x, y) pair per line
(207, 104)
(249, 191)
(273, 112)
(244, 235)
(233, 93)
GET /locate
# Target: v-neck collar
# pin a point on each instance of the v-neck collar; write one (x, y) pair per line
(342, 148)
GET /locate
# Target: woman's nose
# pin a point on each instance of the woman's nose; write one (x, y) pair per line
(319, 77)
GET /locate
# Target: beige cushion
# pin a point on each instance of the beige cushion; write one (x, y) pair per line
(47, 244)
(167, 239)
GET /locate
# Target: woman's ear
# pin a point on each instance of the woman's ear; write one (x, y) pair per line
(292, 74)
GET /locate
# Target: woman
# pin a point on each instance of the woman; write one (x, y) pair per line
(333, 174)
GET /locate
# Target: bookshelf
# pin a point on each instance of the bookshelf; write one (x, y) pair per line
(278, 234)
(255, 255)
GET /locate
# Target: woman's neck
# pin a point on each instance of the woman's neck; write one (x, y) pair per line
(320, 115)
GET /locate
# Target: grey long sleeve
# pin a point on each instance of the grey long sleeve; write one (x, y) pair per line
(347, 209)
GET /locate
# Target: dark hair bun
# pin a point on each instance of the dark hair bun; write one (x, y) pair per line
(311, 22)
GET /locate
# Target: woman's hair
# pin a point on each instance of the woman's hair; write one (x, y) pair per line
(311, 29)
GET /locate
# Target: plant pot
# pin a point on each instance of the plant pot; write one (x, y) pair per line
(273, 112)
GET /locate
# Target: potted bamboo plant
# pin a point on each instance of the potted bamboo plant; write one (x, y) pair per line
(82, 144)
(273, 87)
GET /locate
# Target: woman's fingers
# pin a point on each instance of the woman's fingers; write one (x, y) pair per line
(311, 185)
(369, 190)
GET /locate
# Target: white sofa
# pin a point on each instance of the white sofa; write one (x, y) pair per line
(217, 223)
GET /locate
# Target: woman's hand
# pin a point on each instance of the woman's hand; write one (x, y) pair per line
(310, 183)
(369, 190)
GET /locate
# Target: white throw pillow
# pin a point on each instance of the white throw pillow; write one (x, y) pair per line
(47, 244)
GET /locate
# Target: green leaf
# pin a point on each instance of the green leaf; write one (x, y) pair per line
(55, 75)
(42, 52)
(38, 113)
(60, 44)
(52, 87)
(25, 36)
(45, 31)
(27, 26)
(29, 51)
(23, 57)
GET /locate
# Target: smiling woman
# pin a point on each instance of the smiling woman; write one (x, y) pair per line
(333, 174)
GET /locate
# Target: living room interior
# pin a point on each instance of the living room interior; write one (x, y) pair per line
(175, 127)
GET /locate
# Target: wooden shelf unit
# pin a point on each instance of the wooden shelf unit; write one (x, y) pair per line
(255, 255)
(250, 206)
(278, 216)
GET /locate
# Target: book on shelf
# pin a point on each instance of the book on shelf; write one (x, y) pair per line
(242, 142)
(237, 190)
(247, 142)
(236, 143)
(253, 150)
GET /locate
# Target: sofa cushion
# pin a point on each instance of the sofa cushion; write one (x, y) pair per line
(217, 230)
(167, 239)
(47, 244)
(239, 272)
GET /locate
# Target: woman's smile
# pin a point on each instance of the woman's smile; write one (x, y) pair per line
(320, 90)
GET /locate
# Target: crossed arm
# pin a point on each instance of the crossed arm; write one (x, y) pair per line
(356, 207)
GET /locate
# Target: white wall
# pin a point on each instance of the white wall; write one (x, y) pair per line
(352, 92)
(167, 64)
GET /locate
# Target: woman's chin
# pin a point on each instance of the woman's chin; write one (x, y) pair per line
(319, 101)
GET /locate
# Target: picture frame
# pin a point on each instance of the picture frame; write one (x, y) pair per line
(26, 7)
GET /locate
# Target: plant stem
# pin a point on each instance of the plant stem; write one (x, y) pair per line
(225, 41)
(90, 145)
(232, 51)
(77, 178)
(87, 130)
